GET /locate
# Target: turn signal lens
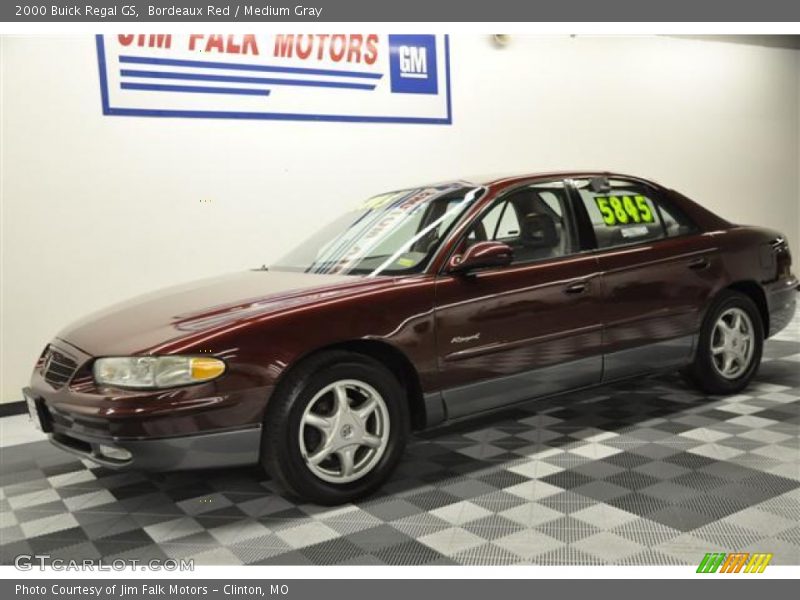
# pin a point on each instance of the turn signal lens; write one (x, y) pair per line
(205, 368)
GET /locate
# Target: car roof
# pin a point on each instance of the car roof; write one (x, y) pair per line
(507, 179)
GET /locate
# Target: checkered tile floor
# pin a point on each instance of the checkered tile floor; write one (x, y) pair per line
(647, 472)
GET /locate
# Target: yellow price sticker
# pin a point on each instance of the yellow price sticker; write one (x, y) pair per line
(622, 210)
(379, 201)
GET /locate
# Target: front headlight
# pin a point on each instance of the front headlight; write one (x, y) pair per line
(156, 371)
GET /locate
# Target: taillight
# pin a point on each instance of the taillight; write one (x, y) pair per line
(783, 257)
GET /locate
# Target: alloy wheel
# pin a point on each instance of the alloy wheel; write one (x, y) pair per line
(732, 343)
(344, 431)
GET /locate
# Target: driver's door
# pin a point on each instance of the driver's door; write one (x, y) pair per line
(529, 329)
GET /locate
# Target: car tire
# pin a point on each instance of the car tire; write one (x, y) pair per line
(729, 347)
(348, 409)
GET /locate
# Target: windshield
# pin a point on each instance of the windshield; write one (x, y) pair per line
(390, 234)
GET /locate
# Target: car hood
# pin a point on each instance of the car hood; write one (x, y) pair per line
(152, 321)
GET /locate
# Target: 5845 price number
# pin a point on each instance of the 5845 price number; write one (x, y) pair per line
(621, 210)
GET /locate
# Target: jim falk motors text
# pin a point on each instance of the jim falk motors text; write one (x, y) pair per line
(158, 589)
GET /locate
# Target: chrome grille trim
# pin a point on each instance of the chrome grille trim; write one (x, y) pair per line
(57, 367)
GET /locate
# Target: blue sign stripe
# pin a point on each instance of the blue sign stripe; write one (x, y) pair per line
(193, 89)
(240, 79)
(207, 64)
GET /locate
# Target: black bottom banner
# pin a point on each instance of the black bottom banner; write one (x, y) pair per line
(386, 589)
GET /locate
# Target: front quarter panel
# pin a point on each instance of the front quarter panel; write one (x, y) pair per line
(260, 350)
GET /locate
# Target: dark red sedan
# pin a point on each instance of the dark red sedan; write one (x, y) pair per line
(419, 307)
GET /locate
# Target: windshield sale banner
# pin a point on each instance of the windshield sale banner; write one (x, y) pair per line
(357, 77)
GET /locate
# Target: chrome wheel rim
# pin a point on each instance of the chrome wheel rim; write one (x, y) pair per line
(344, 431)
(732, 343)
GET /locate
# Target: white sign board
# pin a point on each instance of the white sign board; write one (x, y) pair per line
(359, 77)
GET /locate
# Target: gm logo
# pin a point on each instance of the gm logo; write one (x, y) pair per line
(412, 64)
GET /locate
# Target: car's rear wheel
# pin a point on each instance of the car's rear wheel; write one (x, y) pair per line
(729, 347)
(336, 428)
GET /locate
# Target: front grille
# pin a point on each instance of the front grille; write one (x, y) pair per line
(57, 368)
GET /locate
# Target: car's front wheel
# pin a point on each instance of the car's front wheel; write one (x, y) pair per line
(729, 346)
(336, 428)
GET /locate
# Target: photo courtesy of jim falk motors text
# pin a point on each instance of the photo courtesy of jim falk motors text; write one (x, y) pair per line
(126, 590)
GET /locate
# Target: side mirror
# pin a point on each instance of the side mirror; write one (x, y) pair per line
(480, 256)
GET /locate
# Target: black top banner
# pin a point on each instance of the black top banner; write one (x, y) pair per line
(265, 11)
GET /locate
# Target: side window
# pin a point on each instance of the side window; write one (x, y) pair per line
(621, 212)
(508, 228)
(675, 222)
(552, 201)
(532, 220)
(489, 223)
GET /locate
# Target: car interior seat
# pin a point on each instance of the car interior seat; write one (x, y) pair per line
(539, 238)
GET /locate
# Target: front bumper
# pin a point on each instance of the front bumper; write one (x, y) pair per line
(201, 451)
(217, 424)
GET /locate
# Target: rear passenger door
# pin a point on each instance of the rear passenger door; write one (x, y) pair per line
(658, 273)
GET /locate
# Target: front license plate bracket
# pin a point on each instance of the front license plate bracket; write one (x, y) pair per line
(38, 413)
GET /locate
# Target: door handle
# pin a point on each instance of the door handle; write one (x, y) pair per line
(576, 288)
(699, 263)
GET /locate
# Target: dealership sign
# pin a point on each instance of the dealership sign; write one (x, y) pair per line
(359, 77)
